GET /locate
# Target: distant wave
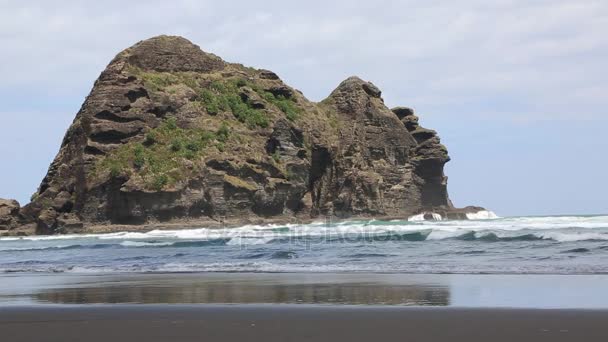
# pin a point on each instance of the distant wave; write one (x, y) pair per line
(433, 235)
(64, 247)
(175, 244)
(256, 234)
(125, 244)
(563, 229)
(424, 235)
(361, 236)
(512, 245)
(388, 236)
(129, 243)
(554, 236)
(491, 237)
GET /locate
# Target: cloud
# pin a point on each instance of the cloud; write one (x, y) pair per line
(458, 62)
(547, 54)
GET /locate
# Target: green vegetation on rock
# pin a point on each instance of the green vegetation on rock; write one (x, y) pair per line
(221, 96)
(158, 81)
(167, 155)
(224, 96)
(287, 106)
(276, 156)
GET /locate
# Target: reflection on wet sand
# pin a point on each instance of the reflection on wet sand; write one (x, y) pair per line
(244, 290)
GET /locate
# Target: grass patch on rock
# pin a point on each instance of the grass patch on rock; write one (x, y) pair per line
(286, 105)
(239, 183)
(222, 96)
(225, 96)
(158, 81)
(167, 155)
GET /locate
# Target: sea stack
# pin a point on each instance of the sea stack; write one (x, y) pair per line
(170, 133)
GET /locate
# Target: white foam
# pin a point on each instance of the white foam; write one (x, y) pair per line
(420, 217)
(144, 244)
(46, 237)
(241, 241)
(557, 228)
(445, 234)
(416, 218)
(125, 235)
(482, 215)
(41, 248)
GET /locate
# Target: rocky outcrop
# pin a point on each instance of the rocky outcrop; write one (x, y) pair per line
(429, 158)
(370, 171)
(170, 132)
(9, 214)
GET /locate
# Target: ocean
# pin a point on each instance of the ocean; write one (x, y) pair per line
(484, 245)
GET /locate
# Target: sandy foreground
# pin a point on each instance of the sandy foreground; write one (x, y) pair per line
(296, 323)
(302, 307)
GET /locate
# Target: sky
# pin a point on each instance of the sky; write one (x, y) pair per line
(517, 89)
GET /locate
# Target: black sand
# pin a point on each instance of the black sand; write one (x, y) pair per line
(241, 323)
(302, 307)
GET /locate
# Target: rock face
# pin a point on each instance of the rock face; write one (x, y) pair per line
(9, 214)
(170, 132)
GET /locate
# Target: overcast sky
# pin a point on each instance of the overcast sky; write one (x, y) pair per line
(518, 90)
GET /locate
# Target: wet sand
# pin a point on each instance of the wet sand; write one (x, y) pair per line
(240, 323)
(471, 291)
(302, 307)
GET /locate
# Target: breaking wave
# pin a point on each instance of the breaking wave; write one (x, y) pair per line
(421, 217)
(561, 244)
(482, 215)
(561, 229)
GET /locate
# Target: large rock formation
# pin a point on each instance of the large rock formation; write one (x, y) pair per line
(170, 132)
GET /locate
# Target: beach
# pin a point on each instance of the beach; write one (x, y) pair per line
(302, 307)
(522, 279)
(296, 323)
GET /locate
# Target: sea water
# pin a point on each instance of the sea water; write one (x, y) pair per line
(484, 244)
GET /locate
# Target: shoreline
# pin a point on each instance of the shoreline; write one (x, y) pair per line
(453, 214)
(180, 224)
(297, 323)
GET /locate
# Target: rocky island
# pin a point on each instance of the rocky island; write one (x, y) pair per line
(172, 135)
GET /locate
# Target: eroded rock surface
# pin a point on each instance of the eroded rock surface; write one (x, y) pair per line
(170, 132)
(9, 214)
